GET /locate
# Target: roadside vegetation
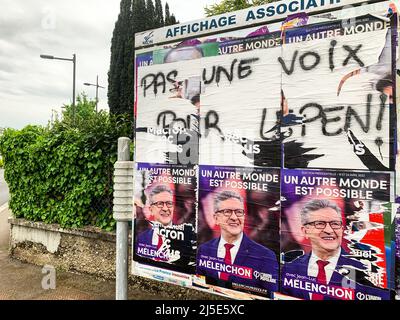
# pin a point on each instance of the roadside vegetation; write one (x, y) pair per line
(63, 173)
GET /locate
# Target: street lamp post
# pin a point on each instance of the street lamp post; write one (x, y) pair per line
(97, 89)
(45, 56)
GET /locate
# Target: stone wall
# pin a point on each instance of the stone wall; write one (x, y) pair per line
(88, 250)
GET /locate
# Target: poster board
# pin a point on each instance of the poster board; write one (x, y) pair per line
(223, 120)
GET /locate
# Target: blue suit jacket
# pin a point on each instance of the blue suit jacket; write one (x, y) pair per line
(299, 266)
(251, 255)
(146, 237)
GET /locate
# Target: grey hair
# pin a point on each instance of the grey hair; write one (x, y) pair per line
(315, 205)
(225, 195)
(158, 189)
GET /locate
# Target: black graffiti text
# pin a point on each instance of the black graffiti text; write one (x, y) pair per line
(156, 80)
(310, 59)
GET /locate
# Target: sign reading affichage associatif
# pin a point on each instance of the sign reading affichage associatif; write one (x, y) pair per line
(265, 157)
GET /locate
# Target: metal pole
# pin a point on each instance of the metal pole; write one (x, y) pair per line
(97, 92)
(73, 89)
(122, 232)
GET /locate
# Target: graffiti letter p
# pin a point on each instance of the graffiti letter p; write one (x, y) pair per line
(49, 280)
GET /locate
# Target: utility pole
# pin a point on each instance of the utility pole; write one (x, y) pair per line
(45, 56)
(97, 90)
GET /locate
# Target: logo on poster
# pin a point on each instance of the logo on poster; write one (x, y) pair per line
(148, 39)
(264, 277)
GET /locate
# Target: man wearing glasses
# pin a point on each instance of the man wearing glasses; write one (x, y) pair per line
(162, 209)
(167, 242)
(234, 248)
(327, 263)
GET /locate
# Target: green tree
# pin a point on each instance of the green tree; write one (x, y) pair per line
(135, 16)
(120, 53)
(173, 20)
(169, 18)
(63, 173)
(84, 110)
(158, 15)
(233, 5)
(167, 15)
(141, 21)
(150, 14)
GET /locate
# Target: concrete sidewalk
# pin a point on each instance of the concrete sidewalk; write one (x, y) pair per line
(4, 193)
(4, 226)
(21, 281)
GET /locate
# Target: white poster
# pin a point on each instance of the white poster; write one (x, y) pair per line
(239, 109)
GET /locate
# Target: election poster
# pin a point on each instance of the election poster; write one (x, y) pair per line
(397, 167)
(397, 257)
(162, 274)
(266, 158)
(167, 109)
(241, 129)
(336, 234)
(338, 95)
(165, 221)
(238, 234)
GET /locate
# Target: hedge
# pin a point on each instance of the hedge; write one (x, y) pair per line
(64, 173)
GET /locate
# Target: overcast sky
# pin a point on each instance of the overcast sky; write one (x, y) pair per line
(31, 87)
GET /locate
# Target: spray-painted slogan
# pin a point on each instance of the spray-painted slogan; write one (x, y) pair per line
(325, 96)
(253, 153)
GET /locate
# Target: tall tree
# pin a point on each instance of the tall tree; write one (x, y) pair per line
(232, 5)
(167, 20)
(135, 16)
(173, 20)
(150, 15)
(158, 15)
(117, 70)
(140, 20)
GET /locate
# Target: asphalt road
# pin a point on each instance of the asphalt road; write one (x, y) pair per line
(4, 196)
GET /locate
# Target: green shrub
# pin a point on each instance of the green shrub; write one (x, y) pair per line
(1, 163)
(63, 173)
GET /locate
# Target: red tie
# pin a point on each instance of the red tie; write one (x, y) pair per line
(228, 260)
(321, 278)
(160, 242)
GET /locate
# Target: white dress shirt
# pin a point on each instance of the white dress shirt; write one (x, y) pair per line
(155, 237)
(329, 269)
(156, 232)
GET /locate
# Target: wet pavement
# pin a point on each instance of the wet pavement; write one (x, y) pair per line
(4, 194)
(22, 281)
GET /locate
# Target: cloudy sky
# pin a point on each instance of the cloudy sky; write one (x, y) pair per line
(31, 88)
